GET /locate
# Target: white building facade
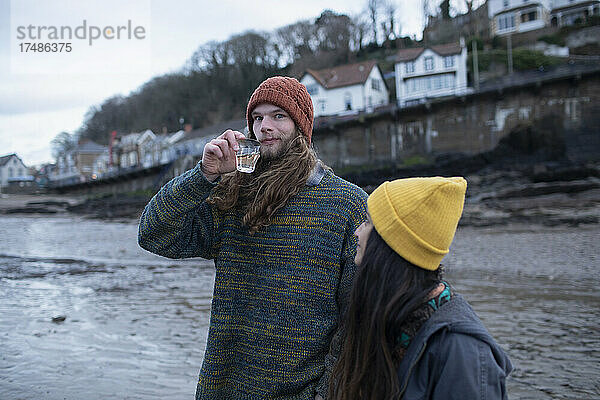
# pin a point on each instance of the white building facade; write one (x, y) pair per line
(346, 89)
(571, 12)
(511, 16)
(424, 73)
(11, 167)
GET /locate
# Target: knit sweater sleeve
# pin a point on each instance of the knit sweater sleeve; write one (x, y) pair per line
(178, 222)
(357, 216)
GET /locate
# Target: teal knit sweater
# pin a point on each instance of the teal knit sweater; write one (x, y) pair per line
(278, 293)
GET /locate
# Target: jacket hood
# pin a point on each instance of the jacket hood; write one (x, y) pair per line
(455, 316)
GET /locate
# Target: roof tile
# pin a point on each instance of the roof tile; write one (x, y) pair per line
(343, 75)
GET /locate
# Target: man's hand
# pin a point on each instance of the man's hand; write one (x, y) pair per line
(218, 157)
(318, 397)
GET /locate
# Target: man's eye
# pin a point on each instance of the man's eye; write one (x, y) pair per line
(258, 118)
(279, 116)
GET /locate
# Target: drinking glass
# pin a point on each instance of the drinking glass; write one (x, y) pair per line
(247, 155)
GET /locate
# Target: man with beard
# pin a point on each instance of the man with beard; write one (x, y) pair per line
(283, 246)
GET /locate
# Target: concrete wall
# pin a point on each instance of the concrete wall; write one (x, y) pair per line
(470, 124)
(139, 180)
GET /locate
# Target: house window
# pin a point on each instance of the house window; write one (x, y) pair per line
(348, 101)
(409, 67)
(429, 83)
(375, 84)
(428, 63)
(449, 61)
(529, 16)
(506, 21)
(505, 3)
(322, 105)
(10, 172)
(313, 89)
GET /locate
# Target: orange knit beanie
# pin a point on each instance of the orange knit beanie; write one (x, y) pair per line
(290, 95)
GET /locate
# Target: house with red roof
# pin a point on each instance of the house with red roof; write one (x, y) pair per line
(423, 73)
(346, 88)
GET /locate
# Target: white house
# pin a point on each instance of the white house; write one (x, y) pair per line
(346, 88)
(569, 12)
(65, 168)
(509, 16)
(427, 72)
(11, 167)
(134, 149)
(145, 149)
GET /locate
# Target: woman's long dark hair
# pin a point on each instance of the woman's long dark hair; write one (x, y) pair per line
(387, 289)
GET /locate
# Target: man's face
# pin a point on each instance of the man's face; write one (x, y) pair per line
(274, 129)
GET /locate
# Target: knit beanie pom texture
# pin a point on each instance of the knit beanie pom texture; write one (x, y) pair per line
(289, 94)
(418, 217)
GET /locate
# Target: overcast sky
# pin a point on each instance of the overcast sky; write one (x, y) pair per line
(44, 94)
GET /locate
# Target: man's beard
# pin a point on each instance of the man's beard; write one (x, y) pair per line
(257, 196)
(265, 166)
(276, 152)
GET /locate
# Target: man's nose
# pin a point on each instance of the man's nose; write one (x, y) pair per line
(266, 124)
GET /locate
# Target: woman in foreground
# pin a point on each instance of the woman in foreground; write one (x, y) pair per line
(408, 333)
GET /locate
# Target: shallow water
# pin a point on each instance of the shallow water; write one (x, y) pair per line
(136, 323)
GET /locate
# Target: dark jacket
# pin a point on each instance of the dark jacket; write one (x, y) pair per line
(453, 356)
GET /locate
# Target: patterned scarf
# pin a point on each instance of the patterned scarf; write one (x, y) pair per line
(417, 318)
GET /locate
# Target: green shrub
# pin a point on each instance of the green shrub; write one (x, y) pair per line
(524, 59)
(556, 39)
(414, 160)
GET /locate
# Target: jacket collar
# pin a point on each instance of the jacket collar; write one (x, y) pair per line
(317, 174)
(454, 316)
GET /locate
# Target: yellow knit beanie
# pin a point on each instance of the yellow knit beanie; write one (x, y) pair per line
(417, 217)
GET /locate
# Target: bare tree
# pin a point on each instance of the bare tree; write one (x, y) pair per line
(394, 25)
(62, 144)
(373, 9)
(211, 55)
(250, 48)
(334, 31)
(389, 26)
(469, 5)
(285, 40)
(445, 9)
(297, 40)
(358, 31)
(426, 6)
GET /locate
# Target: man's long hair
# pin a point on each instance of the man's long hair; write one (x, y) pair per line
(261, 194)
(387, 289)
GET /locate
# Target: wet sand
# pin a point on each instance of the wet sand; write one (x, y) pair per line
(135, 324)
